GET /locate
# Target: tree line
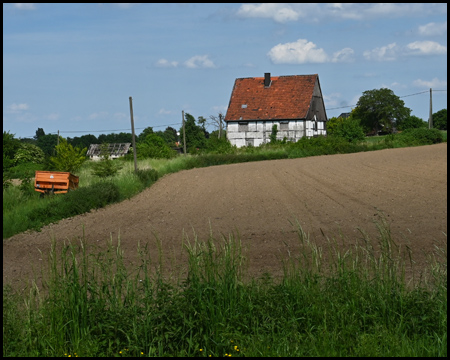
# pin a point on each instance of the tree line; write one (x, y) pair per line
(378, 111)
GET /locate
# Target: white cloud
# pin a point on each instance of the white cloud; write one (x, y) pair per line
(393, 51)
(25, 6)
(435, 83)
(303, 51)
(331, 100)
(199, 61)
(14, 108)
(384, 53)
(299, 52)
(120, 116)
(344, 55)
(433, 29)
(98, 115)
(165, 112)
(281, 13)
(426, 48)
(166, 63)
(53, 116)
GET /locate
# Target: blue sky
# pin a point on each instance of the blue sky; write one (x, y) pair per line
(73, 67)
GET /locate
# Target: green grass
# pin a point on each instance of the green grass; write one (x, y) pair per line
(357, 303)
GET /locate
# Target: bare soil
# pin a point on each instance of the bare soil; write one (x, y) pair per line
(260, 203)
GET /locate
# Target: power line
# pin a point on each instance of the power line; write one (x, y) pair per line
(92, 131)
(422, 92)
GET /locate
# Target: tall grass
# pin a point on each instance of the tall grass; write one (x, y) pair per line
(356, 303)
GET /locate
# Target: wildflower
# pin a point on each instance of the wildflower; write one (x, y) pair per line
(201, 349)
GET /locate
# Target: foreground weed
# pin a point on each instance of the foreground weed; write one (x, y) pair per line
(91, 304)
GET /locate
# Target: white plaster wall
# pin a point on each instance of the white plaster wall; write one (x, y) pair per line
(260, 131)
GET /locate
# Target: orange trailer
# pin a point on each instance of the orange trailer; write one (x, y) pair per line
(54, 182)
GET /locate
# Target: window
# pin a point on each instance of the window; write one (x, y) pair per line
(243, 126)
(284, 125)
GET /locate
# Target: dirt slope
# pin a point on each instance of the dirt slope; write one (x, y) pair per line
(260, 200)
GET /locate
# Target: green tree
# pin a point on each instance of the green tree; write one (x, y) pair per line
(170, 135)
(47, 143)
(380, 110)
(216, 145)
(29, 153)
(83, 141)
(412, 122)
(155, 147)
(195, 135)
(10, 147)
(39, 133)
(440, 119)
(348, 128)
(105, 167)
(67, 157)
(273, 135)
(147, 131)
(115, 138)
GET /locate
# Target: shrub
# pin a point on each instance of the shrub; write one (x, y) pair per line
(421, 136)
(29, 153)
(349, 129)
(147, 176)
(412, 122)
(105, 167)
(154, 147)
(67, 157)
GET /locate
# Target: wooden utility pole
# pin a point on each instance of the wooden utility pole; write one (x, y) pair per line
(184, 134)
(220, 125)
(133, 136)
(430, 118)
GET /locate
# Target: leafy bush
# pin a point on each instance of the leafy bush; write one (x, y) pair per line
(411, 122)
(147, 176)
(440, 119)
(105, 167)
(323, 145)
(29, 153)
(214, 145)
(10, 147)
(67, 157)
(154, 147)
(74, 203)
(421, 136)
(350, 129)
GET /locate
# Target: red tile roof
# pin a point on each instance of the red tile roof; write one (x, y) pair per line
(288, 97)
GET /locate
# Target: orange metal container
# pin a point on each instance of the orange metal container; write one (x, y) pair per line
(56, 182)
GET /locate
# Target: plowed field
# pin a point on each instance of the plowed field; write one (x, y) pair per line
(260, 202)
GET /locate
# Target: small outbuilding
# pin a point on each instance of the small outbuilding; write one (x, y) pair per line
(115, 150)
(293, 103)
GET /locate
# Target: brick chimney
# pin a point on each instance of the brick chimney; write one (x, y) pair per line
(267, 80)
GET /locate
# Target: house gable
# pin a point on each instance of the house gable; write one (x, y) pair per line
(293, 103)
(286, 98)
